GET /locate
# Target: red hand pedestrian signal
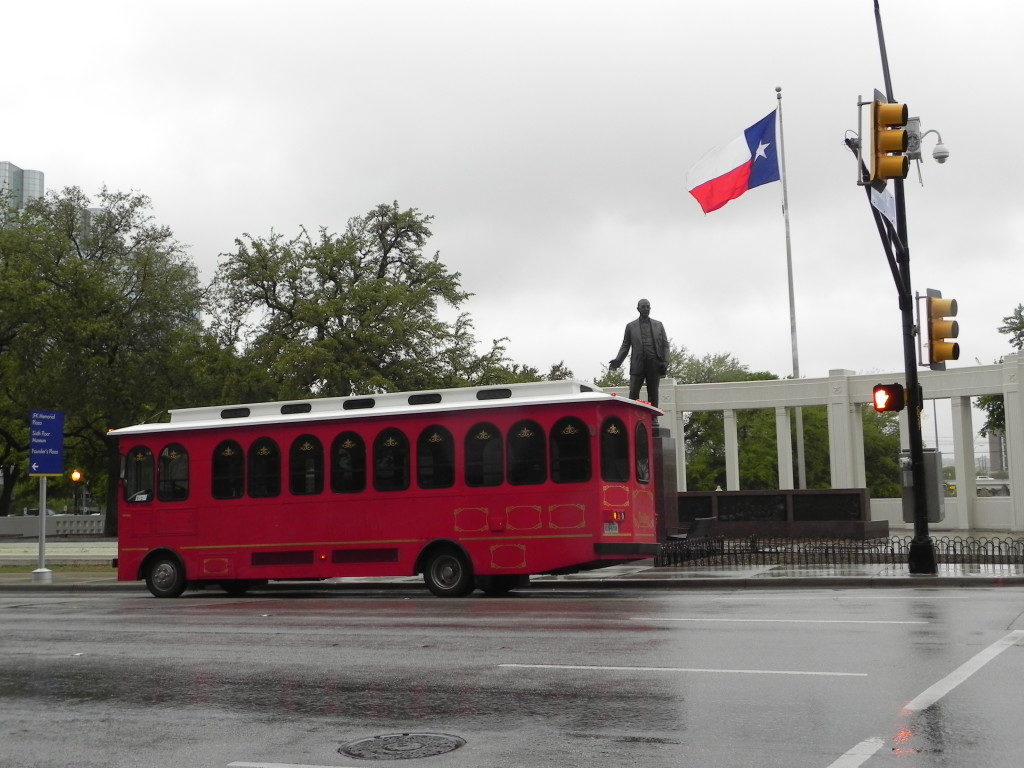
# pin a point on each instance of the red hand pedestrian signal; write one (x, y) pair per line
(888, 397)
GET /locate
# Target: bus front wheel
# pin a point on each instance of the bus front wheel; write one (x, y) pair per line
(448, 574)
(166, 577)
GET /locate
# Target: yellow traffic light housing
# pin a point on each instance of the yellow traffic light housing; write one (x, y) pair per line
(888, 397)
(889, 159)
(941, 330)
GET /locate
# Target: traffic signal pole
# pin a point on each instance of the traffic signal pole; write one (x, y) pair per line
(921, 560)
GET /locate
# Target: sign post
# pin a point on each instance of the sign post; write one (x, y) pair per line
(45, 458)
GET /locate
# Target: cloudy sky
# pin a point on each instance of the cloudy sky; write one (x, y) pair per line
(550, 140)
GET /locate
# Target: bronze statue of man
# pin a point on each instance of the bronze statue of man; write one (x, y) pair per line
(648, 361)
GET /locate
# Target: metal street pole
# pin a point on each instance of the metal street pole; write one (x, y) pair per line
(922, 550)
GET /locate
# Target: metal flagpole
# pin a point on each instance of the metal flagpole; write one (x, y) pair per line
(800, 463)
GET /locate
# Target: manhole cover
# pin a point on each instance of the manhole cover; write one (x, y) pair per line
(402, 746)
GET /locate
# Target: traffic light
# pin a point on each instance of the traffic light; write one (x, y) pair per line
(889, 121)
(76, 475)
(941, 330)
(888, 397)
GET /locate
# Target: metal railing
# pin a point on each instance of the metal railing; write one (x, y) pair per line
(893, 550)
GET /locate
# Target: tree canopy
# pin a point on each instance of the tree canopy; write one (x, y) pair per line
(96, 304)
(359, 312)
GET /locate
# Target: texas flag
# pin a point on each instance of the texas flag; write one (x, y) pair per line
(726, 172)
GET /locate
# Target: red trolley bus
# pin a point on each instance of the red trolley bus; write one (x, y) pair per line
(477, 487)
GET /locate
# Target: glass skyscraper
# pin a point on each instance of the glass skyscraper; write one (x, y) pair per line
(22, 185)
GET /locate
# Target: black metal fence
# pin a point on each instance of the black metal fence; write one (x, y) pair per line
(894, 550)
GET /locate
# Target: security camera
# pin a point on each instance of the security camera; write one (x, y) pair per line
(940, 153)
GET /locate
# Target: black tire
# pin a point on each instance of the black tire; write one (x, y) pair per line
(448, 573)
(237, 587)
(165, 577)
(499, 586)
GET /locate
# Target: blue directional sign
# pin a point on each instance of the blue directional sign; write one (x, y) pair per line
(46, 443)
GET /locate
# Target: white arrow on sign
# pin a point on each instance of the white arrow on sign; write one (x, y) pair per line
(35, 466)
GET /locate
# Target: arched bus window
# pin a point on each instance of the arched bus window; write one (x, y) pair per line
(435, 458)
(138, 474)
(348, 463)
(228, 480)
(391, 461)
(264, 469)
(614, 451)
(485, 456)
(172, 474)
(527, 454)
(643, 454)
(306, 466)
(570, 451)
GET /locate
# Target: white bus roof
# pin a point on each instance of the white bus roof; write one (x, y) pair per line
(387, 404)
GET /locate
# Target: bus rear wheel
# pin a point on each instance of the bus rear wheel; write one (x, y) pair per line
(496, 586)
(166, 577)
(238, 587)
(448, 574)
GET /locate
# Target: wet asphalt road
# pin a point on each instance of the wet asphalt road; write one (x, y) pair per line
(820, 678)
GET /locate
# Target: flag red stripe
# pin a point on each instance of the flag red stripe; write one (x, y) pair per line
(715, 193)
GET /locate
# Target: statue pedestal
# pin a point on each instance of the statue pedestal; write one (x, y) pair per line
(665, 486)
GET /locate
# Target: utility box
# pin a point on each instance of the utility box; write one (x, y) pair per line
(933, 487)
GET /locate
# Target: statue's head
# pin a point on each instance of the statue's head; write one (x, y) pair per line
(643, 307)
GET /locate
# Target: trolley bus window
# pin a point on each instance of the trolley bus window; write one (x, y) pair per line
(172, 474)
(306, 466)
(614, 451)
(484, 456)
(527, 454)
(348, 463)
(570, 451)
(264, 469)
(228, 470)
(435, 458)
(643, 458)
(391, 461)
(138, 474)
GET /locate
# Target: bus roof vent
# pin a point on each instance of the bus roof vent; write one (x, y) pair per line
(358, 403)
(234, 413)
(493, 394)
(425, 398)
(296, 408)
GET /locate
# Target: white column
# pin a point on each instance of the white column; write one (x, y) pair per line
(680, 451)
(841, 433)
(860, 475)
(784, 447)
(1013, 398)
(963, 464)
(732, 451)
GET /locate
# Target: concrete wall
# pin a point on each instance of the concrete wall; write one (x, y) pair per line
(56, 525)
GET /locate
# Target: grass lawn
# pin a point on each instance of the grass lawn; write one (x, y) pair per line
(60, 568)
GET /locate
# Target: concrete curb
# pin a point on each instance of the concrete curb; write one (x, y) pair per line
(553, 584)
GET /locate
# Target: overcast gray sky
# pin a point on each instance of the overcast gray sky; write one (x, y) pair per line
(550, 140)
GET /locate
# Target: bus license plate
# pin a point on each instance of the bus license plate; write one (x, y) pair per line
(611, 527)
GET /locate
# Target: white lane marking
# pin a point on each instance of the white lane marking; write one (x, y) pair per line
(849, 595)
(926, 698)
(596, 668)
(780, 621)
(863, 751)
(859, 754)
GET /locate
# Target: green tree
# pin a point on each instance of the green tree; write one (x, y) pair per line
(992, 405)
(97, 310)
(336, 314)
